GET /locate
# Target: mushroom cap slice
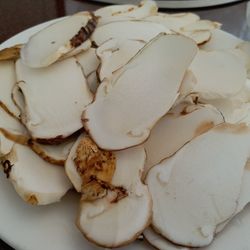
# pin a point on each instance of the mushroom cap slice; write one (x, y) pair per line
(126, 12)
(125, 218)
(88, 60)
(218, 74)
(123, 30)
(235, 235)
(157, 241)
(115, 57)
(179, 126)
(54, 99)
(54, 154)
(57, 39)
(35, 180)
(174, 21)
(221, 40)
(182, 186)
(126, 100)
(7, 82)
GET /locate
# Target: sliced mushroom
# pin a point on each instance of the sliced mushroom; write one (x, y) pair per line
(123, 116)
(58, 39)
(200, 37)
(54, 99)
(127, 30)
(54, 154)
(174, 21)
(198, 188)
(36, 181)
(126, 214)
(157, 241)
(7, 81)
(218, 74)
(178, 127)
(113, 58)
(11, 53)
(221, 40)
(88, 60)
(126, 12)
(201, 25)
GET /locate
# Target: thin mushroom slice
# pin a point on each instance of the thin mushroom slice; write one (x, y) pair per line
(88, 61)
(54, 154)
(201, 25)
(235, 235)
(7, 82)
(54, 99)
(221, 40)
(123, 30)
(179, 126)
(126, 12)
(211, 165)
(58, 39)
(200, 37)
(157, 241)
(174, 21)
(134, 117)
(113, 58)
(126, 215)
(36, 181)
(218, 74)
(11, 53)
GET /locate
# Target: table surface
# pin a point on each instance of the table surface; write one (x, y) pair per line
(15, 18)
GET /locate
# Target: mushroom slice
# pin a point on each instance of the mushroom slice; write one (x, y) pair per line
(113, 58)
(120, 119)
(157, 241)
(235, 235)
(88, 60)
(126, 12)
(58, 39)
(54, 99)
(174, 21)
(213, 178)
(132, 30)
(179, 126)
(199, 37)
(221, 40)
(93, 82)
(54, 154)
(7, 82)
(218, 74)
(127, 214)
(201, 25)
(36, 181)
(11, 53)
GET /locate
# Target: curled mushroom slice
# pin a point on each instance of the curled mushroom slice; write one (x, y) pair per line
(179, 126)
(11, 53)
(134, 117)
(51, 116)
(126, 213)
(36, 181)
(200, 185)
(157, 241)
(7, 82)
(58, 39)
(126, 12)
(218, 74)
(132, 30)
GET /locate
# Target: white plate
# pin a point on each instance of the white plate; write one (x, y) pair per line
(27, 227)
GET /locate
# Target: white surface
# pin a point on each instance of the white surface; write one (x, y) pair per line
(37, 228)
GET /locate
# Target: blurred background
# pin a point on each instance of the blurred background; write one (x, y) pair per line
(16, 15)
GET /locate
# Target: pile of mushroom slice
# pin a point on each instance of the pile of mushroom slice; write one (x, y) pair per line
(144, 114)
